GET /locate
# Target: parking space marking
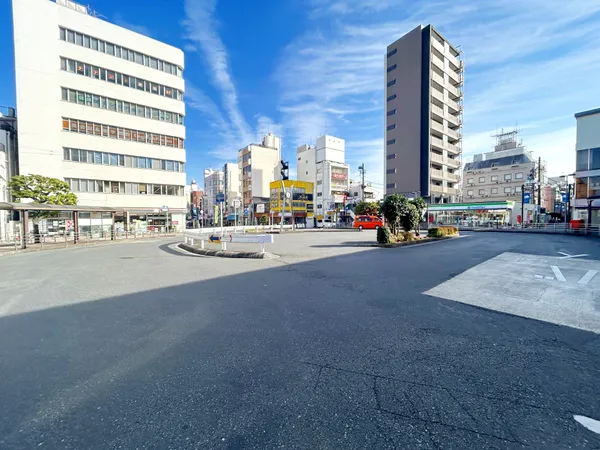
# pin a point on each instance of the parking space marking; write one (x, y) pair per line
(567, 256)
(558, 274)
(587, 277)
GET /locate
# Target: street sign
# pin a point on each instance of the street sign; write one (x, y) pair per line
(526, 197)
(165, 209)
(220, 197)
(260, 208)
(236, 203)
(214, 239)
(245, 211)
(565, 197)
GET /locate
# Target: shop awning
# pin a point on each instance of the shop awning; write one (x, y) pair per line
(485, 206)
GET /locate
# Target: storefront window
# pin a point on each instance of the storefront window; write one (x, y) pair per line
(582, 160)
(581, 187)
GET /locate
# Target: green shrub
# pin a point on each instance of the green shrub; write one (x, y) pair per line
(407, 236)
(384, 236)
(439, 232)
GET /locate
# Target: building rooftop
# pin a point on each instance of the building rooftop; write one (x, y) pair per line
(504, 161)
(587, 113)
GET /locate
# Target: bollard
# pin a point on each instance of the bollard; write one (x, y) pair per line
(223, 245)
(192, 241)
(202, 244)
(262, 247)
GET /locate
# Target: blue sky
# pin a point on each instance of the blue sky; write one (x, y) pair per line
(302, 68)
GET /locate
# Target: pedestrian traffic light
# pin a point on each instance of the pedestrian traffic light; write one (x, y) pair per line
(285, 168)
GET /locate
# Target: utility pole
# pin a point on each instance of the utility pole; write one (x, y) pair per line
(361, 169)
(522, 204)
(540, 182)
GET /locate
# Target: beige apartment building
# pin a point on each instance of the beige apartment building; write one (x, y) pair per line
(423, 119)
(499, 175)
(258, 165)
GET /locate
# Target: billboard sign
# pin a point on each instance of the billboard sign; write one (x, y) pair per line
(526, 197)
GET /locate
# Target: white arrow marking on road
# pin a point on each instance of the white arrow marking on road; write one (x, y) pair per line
(590, 424)
(558, 274)
(567, 256)
(588, 277)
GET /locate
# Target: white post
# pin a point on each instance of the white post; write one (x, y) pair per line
(185, 239)
(192, 241)
(202, 243)
(223, 245)
(262, 247)
(221, 205)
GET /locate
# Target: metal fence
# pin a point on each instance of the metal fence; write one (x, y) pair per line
(64, 240)
(553, 228)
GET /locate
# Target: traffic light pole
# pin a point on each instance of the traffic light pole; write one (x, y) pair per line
(522, 204)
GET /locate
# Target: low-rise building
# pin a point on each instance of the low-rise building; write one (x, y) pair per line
(292, 195)
(324, 166)
(587, 170)
(231, 189)
(213, 185)
(259, 165)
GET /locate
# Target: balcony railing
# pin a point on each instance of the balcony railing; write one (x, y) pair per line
(437, 95)
(453, 148)
(437, 62)
(436, 173)
(450, 162)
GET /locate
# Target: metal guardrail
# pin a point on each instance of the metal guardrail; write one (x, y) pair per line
(64, 240)
(553, 228)
(224, 239)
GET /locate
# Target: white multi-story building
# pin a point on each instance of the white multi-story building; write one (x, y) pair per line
(231, 187)
(587, 176)
(370, 193)
(101, 107)
(213, 185)
(258, 165)
(324, 165)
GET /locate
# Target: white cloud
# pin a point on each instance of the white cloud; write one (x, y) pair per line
(119, 20)
(227, 121)
(531, 64)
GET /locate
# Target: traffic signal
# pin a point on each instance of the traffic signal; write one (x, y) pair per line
(285, 170)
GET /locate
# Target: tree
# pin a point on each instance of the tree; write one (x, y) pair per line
(411, 218)
(41, 190)
(367, 208)
(421, 206)
(393, 208)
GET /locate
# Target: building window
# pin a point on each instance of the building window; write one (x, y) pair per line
(389, 171)
(120, 52)
(470, 181)
(117, 105)
(494, 190)
(391, 156)
(391, 83)
(470, 193)
(507, 177)
(494, 177)
(481, 191)
(391, 113)
(391, 141)
(518, 189)
(391, 127)
(392, 67)
(390, 186)
(507, 190)
(118, 78)
(582, 160)
(110, 131)
(392, 53)
(519, 176)
(595, 158)
(391, 97)
(482, 179)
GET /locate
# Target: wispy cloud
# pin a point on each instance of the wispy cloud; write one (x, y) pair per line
(227, 120)
(200, 27)
(525, 62)
(118, 19)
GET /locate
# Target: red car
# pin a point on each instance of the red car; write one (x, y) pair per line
(367, 222)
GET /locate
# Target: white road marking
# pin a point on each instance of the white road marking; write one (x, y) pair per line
(549, 278)
(558, 274)
(587, 277)
(590, 424)
(539, 277)
(567, 256)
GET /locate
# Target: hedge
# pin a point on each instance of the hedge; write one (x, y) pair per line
(442, 232)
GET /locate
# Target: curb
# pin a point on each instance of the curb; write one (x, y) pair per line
(225, 253)
(417, 242)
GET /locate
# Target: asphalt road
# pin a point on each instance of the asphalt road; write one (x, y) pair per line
(331, 346)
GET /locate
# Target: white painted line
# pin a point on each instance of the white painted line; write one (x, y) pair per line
(587, 277)
(590, 424)
(539, 277)
(549, 278)
(558, 274)
(564, 254)
(573, 256)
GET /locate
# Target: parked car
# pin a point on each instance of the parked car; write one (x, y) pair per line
(367, 222)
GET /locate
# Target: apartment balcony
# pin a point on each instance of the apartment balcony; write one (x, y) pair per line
(437, 95)
(457, 78)
(453, 176)
(453, 106)
(437, 78)
(437, 62)
(450, 162)
(437, 143)
(437, 126)
(443, 190)
(454, 149)
(454, 120)
(436, 174)
(453, 90)
(452, 133)
(436, 110)
(438, 46)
